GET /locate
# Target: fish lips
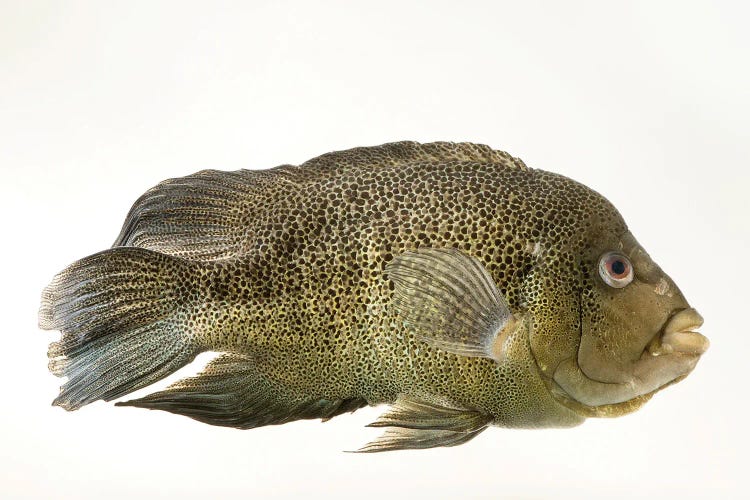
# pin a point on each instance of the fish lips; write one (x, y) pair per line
(679, 335)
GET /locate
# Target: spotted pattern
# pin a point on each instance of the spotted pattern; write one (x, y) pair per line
(294, 258)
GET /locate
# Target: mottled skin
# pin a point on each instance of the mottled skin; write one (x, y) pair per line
(286, 269)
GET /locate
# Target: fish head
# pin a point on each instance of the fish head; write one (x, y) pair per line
(637, 332)
(610, 327)
(636, 314)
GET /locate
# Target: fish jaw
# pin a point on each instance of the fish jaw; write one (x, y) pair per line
(669, 357)
(651, 374)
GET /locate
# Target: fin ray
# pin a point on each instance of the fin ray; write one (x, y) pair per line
(211, 215)
(413, 413)
(417, 439)
(117, 335)
(449, 300)
(418, 424)
(231, 393)
(200, 217)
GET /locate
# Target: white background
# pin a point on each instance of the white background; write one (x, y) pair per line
(646, 102)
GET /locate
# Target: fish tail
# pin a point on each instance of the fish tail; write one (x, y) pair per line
(125, 317)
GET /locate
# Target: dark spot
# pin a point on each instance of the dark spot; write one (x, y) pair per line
(618, 267)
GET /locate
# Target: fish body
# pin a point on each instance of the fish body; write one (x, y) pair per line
(445, 279)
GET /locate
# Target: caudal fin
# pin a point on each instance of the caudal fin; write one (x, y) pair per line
(124, 317)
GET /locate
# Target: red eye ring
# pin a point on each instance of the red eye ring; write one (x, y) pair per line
(615, 269)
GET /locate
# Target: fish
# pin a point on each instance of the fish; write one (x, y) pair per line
(447, 280)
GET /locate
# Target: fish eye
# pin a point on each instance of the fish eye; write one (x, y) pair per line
(615, 269)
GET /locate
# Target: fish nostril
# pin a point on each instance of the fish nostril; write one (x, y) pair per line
(662, 288)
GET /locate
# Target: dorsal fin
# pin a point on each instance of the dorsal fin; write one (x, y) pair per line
(205, 216)
(407, 152)
(213, 215)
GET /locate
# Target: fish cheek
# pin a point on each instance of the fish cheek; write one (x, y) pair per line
(616, 327)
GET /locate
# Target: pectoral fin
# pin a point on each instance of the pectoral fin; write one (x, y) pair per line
(418, 424)
(449, 300)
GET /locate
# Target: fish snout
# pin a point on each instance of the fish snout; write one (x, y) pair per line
(679, 335)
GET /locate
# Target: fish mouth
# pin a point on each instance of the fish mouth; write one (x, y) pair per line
(668, 358)
(679, 336)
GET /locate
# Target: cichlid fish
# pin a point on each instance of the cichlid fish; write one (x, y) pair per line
(447, 280)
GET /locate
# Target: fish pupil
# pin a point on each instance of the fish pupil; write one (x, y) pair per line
(618, 267)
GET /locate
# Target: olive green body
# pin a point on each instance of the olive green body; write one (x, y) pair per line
(308, 299)
(446, 279)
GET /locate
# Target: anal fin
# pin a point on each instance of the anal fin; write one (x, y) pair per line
(231, 393)
(417, 424)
